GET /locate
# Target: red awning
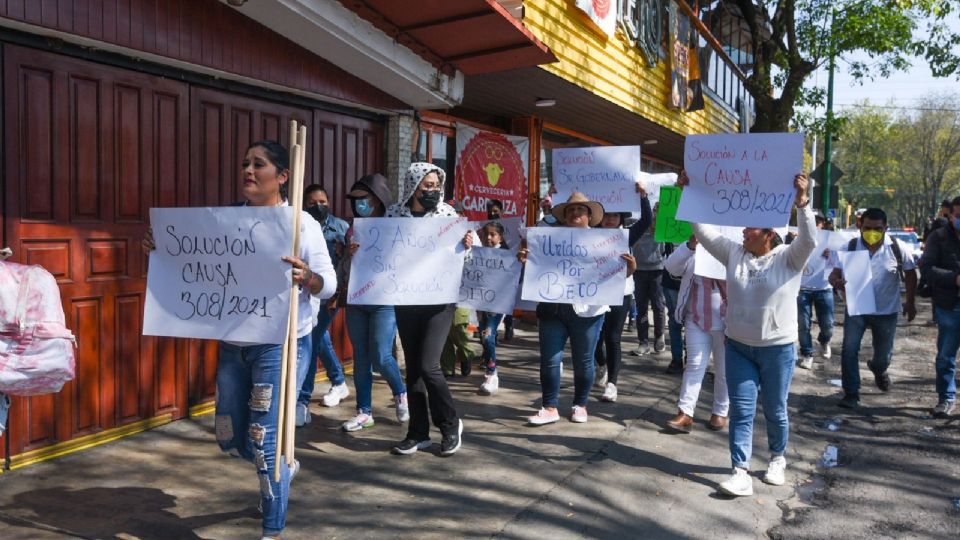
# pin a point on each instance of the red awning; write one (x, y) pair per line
(473, 36)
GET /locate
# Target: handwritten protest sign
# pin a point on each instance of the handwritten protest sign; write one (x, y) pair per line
(667, 227)
(575, 266)
(741, 179)
(858, 291)
(407, 261)
(653, 182)
(217, 274)
(606, 174)
(490, 280)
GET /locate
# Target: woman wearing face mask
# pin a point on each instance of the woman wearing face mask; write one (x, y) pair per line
(763, 281)
(579, 322)
(371, 328)
(608, 353)
(423, 329)
(248, 374)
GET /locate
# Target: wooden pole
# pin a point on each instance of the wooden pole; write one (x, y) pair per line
(288, 359)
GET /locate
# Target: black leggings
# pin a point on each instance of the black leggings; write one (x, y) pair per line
(423, 331)
(610, 334)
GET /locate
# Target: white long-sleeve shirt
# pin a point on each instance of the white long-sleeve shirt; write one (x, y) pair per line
(692, 296)
(762, 291)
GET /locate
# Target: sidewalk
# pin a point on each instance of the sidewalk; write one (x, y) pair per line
(618, 476)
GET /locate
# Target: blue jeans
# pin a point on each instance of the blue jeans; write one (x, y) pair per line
(488, 338)
(583, 333)
(674, 327)
(883, 328)
(948, 340)
(822, 302)
(767, 371)
(372, 329)
(322, 347)
(248, 402)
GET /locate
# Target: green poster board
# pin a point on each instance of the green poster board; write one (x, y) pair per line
(667, 228)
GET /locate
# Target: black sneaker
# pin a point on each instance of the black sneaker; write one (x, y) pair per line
(882, 381)
(849, 401)
(508, 333)
(675, 368)
(451, 441)
(410, 446)
(465, 367)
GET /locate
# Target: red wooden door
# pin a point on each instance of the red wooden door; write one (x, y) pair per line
(89, 149)
(345, 148)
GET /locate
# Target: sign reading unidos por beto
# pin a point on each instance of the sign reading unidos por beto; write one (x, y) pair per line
(575, 266)
(407, 261)
(743, 180)
(606, 174)
(216, 273)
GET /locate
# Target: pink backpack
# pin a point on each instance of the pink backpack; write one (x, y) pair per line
(36, 347)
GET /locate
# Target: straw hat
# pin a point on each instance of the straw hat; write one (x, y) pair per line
(596, 209)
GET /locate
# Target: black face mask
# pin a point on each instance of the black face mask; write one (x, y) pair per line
(491, 215)
(429, 199)
(319, 212)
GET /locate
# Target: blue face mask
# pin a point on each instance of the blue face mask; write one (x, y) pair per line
(362, 208)
(956, 223)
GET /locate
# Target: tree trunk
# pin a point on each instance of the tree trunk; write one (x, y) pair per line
(773, 116)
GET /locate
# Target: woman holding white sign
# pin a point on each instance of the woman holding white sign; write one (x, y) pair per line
(423, 329)
(248, 374)
(763, 280)
(609, 353)
(371, 328)
(578, 322)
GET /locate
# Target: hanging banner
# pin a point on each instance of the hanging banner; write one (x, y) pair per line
(491, 166)
(679, 40)
(603, 13)
(217, 274)
(605, 174)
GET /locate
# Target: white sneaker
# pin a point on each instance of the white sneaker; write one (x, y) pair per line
(490, 384)
(601, 378)
(403, 410)
(335, 394)
(825, 350)
(609, 393)
(360, 421)
(578, 414)
(303, 415)
(544, 416)
(805, 362)
(775, 470)
(740, 484)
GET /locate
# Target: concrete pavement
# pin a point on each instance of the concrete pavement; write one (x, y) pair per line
(618, 476)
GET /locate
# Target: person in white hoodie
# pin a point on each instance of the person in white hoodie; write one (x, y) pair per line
(763, 279)
(701, 305)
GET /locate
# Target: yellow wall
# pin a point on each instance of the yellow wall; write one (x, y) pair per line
(614, 69)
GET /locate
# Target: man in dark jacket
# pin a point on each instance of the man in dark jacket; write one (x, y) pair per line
(940, 266)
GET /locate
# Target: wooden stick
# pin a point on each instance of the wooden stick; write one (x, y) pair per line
(288, 359)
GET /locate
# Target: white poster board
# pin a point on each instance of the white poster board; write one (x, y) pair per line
(407, 261)
(706, 265)
(490, 280)
(653, 182)
(606, 174)
(858, 290)
(568, 265)
(839, 240)
(741, 179)
(216, 274)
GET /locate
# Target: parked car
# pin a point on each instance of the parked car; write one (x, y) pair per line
(909, 238)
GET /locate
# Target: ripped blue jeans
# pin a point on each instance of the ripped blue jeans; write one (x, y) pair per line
(248, 396)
